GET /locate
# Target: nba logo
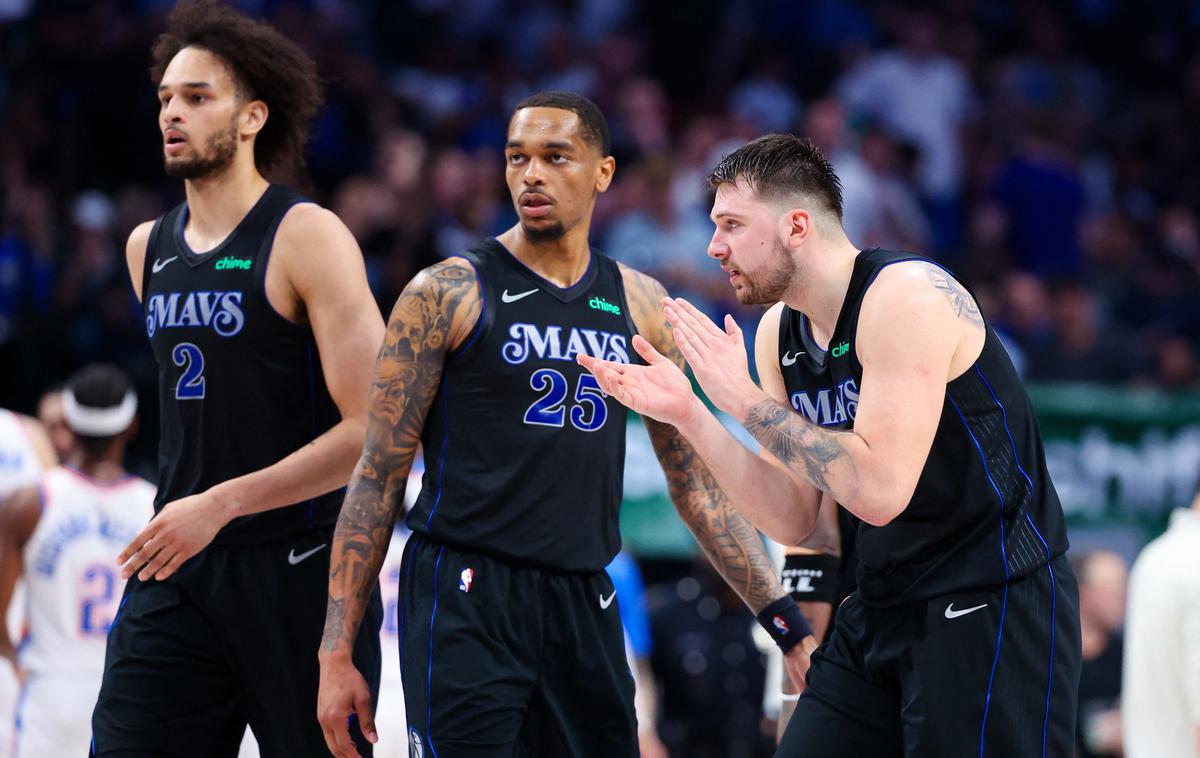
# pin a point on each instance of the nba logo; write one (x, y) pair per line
(464, 579)
(780, 624)
(415, 749)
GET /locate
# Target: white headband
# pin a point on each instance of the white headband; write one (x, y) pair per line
(99, 422)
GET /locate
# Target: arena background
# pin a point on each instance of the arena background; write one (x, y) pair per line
(1045, 151)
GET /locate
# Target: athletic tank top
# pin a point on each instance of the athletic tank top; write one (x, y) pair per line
(240, 386)
(984, 511)
(70, 567)
(524, 455)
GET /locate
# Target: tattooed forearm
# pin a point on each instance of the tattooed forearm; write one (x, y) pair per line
(800, 445)
(435, 306)
(729, 541)
(960, 300)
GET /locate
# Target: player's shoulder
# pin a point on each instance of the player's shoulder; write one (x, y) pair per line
(448, 274)
(313, 227)
(916, 283)
(766, 337)
(639, 284)
(135, 246)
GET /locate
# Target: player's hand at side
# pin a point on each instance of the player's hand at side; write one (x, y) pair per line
(180, 530)
(659, 389)
(343, 693)
(796, 661)
(717, 357)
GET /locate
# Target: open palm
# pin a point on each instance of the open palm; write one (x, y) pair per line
(659, 389)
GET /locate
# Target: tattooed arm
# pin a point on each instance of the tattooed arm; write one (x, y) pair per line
(433, 315)
(726, 537)
(918, 330)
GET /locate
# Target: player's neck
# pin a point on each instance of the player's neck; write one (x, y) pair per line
(820, 292)
(103, 470)
(218, 203)
(562, 262)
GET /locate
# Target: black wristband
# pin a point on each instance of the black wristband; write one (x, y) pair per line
(812, 577)
(784, 622)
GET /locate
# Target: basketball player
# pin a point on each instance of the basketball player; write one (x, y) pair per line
(509, 637)
(61, 536)
(50, 416)
(25, 452)
(885, 390)
(258, 311)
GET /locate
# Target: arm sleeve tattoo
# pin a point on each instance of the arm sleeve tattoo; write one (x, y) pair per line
(730, 542)
(408, 372)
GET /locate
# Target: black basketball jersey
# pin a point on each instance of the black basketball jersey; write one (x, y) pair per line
(984, 511)
(240, 386)
(524, 454)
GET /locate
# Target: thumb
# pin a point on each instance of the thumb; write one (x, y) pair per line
(366, 714)
(732, 328)
(646, 350)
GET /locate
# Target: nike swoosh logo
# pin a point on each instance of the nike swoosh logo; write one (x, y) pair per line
(788, 359)
(514, 298)
(604, 603)
(160, 265)
(953, 614)
(294, 559)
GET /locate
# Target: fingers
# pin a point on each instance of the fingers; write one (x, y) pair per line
(139, 559)
(170, 566)
(732, 329)
(343, 745)
(647, 351)
(696, 319)
(159, 561)
(605, 373)
(366, 715)
(136, 544)
(688, 348)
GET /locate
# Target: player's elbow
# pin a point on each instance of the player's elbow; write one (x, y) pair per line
(793, 530)
(881, 509)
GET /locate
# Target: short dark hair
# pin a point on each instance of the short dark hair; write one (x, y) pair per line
(98, 385)
(266, 66)
(780, 165)
(592, 123)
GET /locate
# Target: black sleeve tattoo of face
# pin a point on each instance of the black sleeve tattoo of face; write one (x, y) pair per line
(408, 372)
(960, 300)
(728, 540)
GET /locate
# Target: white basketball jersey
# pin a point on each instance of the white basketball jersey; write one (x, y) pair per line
(70, 562)
(20, 465)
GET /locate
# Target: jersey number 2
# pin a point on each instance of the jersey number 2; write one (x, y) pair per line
(191, 360)
(587, 414)
(96, 614)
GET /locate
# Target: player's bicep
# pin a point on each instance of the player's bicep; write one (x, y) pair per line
(326, 269)
(421, 333)
(904, 381)
(644, 294)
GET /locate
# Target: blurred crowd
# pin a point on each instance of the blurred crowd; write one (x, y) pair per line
(1044, 151)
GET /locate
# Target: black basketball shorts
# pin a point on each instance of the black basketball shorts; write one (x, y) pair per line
(505, 660)
(990, 673)
(231, 639)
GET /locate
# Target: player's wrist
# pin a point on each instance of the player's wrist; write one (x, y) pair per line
(744, 401)
(785, 623)
(341, 654)
(225, 501)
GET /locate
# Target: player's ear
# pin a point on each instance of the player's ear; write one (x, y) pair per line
(253, 117)
(797, 225)
(604, 173)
